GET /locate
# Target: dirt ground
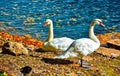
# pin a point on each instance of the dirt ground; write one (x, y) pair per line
(41, 63)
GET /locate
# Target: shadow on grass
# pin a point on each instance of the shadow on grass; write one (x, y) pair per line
(39, 50)
(43, 51)
(56, 61)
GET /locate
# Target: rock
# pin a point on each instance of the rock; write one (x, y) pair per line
(14, 48)
(26, 71)
(30, 47)
(115, 43)
(29, 21)
(2, 40)
(0, 50)
(107, 37)
(109, 52)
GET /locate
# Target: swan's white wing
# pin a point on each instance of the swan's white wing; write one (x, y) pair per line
(61, 43)
(80, 47)
(84, 46)
(58, 44)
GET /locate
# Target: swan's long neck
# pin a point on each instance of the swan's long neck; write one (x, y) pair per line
(50, 32)
(92, 35)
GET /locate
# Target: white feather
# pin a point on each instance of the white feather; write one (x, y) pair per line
(84, 46)
(53, 44)
(58, 44)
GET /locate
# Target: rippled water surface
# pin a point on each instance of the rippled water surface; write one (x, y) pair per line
(71, 18)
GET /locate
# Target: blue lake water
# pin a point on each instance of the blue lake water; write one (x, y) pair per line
(71, 18)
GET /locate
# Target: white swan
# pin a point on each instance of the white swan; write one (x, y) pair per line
(53, 44)
(84, 46)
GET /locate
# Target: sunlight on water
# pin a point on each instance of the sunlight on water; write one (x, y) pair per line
(71, 18)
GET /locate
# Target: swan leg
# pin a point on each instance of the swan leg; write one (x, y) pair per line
(83, 63)
(80, 61)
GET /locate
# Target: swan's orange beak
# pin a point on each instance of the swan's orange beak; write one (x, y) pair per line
(45, 24)
(101, 24)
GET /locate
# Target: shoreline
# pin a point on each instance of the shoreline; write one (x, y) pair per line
(103, 62)
(28, 40)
